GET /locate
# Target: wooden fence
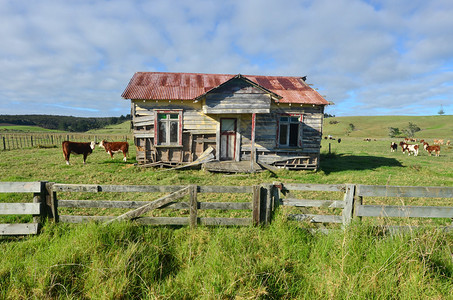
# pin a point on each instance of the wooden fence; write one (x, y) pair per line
(10, 141)
(352, 205)
(36, 209)
(260, 203)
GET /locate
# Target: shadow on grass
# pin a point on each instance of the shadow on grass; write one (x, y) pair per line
(341, 162)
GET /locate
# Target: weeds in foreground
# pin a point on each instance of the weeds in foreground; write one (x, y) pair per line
(281, 261)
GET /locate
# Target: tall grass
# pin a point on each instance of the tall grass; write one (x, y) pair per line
(282, 261)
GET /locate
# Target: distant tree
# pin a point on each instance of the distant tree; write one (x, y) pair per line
(351, 128)
(394, 132)
(411, 129)
(441, 111)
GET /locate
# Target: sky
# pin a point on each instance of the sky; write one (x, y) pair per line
(369, 58)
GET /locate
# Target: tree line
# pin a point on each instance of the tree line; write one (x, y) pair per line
(63, 123)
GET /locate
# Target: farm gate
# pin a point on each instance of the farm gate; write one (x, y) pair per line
(205, 205)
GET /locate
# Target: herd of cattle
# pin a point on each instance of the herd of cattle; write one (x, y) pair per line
(87, 148)
(413, 148)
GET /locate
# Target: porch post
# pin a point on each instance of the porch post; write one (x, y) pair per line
(252, 150)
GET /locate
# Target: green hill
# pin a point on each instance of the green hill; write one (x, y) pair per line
(122, 128)
(378, 126)
(24, 128)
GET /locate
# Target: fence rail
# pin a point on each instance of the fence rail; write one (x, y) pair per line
(352, 205)
(264, 199)
(11, 141)
(35, 209)
(193, 206)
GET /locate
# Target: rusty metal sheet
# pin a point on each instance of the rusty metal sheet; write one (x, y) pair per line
(188, 86)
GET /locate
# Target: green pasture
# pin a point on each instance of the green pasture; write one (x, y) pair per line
(431, 127)
(24, 128)
(279, 261)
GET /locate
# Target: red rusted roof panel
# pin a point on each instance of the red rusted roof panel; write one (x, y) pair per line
(188, 86)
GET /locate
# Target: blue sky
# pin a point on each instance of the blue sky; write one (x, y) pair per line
(368, 57)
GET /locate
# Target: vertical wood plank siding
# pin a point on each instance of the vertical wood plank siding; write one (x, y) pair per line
(233, 101)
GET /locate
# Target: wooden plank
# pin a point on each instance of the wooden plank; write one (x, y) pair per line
(154, 204)
(92, 188)
(84, 219)
(226, 221)
(316, 218)
(225, 189)
(256, 202)
(404, 191)
(313, 203)
(137, 204)
(269, 206)
(173, 221)
(20, 208)
(142, 221)
(193, 206)
(19, 229)
(146, 188)
(315, 187)
(226, 205)
(20, 187)
(349, 200)
(101, 204)
(405, 211)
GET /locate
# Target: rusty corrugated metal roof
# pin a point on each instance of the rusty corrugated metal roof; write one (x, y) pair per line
(188, 86)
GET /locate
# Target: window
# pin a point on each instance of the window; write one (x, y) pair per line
(168, 128)
(289, 129)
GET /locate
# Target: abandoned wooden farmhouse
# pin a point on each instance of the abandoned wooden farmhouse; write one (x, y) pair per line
(178, 117)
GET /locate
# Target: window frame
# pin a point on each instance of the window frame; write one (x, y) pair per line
(168, 112)
(299, 133)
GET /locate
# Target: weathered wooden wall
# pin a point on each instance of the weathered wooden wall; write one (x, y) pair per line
(200, 130)
(237, 97)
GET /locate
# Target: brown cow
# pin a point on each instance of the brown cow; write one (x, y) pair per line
(77, 148)
(114, 147)
(433, 148)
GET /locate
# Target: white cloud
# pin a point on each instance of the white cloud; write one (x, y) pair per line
(369, 57)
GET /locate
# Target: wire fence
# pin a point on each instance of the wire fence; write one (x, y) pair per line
(11, 141)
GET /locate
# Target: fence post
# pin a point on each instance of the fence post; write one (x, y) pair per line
(256, 204)
(193, 206)
(51, 202)
(4, 143)
(40, 198)
(358, 200)
(31, 140)
(349, 199)
(266, 206)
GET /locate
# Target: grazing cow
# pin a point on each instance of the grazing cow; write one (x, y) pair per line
(430, 149)
(422, 141)
(393, 147)
(114, 147)
(438, 142)
(412, 149)
(403, 146)
(447, 143)
(77, 148)
(339, 140)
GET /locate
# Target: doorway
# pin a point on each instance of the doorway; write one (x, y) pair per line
(228, 138)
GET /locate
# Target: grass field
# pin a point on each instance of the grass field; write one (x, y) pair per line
(23, 128)
(433, 127)
(280, 261)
